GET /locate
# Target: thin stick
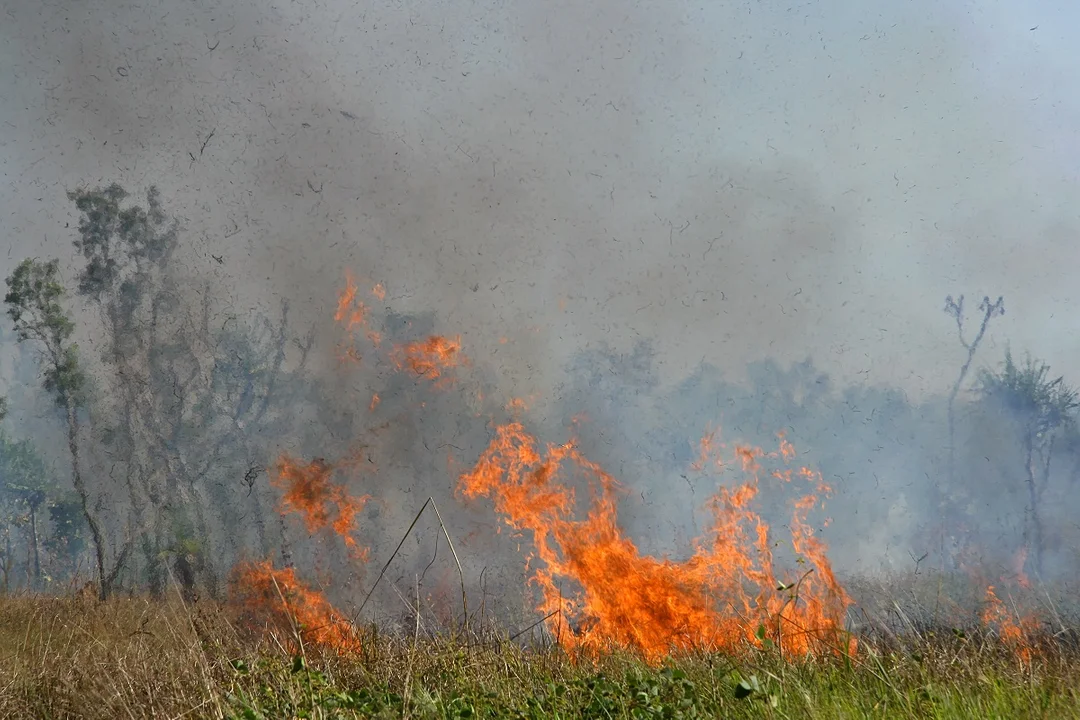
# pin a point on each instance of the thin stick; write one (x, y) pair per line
(299, 638)
(793, 600)
(412, 651)
(519, 633)
(461, 573)
(446, 533)
(389, 560)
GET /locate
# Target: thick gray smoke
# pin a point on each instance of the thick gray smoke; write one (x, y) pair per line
(729, 183)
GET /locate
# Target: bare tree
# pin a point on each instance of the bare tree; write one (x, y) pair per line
(955, 310)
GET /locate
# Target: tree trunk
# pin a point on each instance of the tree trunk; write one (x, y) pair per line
(260, 524)
(84, 498)
(8, 561)
(36, 581)
(1033, 532)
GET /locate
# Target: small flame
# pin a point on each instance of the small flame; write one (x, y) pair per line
(309, 492)
(277, 598)
(1016, 631)
(352, 314)
(430, 358)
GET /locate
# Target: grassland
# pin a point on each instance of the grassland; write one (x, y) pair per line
(136, 658)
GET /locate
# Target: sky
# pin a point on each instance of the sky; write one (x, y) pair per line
(732, 180)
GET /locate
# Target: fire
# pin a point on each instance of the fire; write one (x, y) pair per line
(1015, 630)
(430, 358)
(720, 598)
(308, 491)
(277, 598)
(352, 314)
(726, 596)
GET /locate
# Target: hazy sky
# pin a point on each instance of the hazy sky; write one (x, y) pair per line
(731, 179)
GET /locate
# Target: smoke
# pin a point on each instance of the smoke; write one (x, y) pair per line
(728, 183)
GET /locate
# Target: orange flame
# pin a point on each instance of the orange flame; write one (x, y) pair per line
(289, 607)
(352, 314)
(430, 358)
(309, 492)
(1015, 631)
(718, 599)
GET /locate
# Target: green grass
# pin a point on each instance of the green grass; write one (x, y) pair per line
(135, 658)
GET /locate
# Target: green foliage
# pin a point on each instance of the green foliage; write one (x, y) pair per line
(1042, 403)
(34, 297)
(699, 687)
(23, 475)
(120, 243)
(68, 536)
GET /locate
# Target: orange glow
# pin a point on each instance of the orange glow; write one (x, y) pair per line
(724, 597)
(374, 402)
(379, 291)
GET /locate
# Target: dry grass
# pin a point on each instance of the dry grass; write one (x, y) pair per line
(134, 658)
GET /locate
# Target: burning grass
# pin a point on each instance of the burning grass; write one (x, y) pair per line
(725, 632)
(132, 657)
(725, 596)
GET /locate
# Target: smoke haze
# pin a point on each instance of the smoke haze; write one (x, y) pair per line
(728, 181)
(733, 182)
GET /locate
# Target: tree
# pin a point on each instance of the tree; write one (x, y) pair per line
(127, 250)
(193, 399)
(22, 490)
(1044, 410)
(33, 302)
(955, 310)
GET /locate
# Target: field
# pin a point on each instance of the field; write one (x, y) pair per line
(139, 658)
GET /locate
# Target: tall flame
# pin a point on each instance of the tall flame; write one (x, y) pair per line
(719, 598)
